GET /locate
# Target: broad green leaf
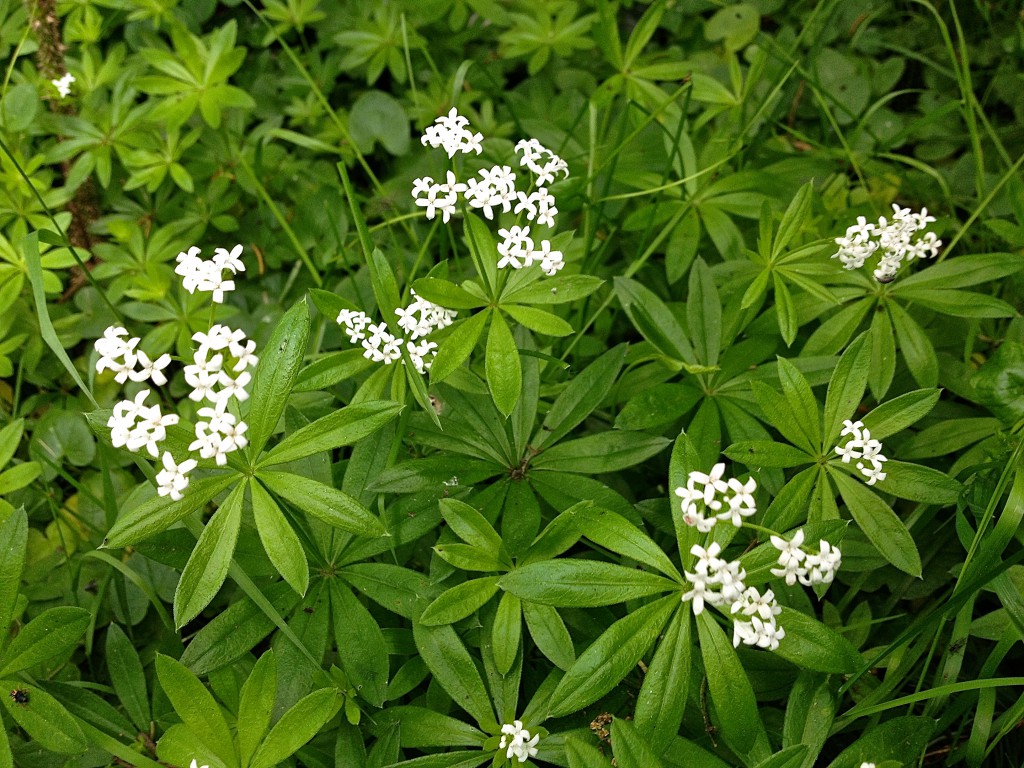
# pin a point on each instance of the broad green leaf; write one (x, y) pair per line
(470, 558)
(917, 349)
(662, 699)
(280, 361)
(654, 320)
(13, 537)
(790, 757)
(615, 533)
(502, 366)
(379, 116)
(482, 249)
(127, 676)
(704, 314)
(794, 219)
(961, 272)
(52, 633)
(470, 526)
(581, 396)
(331, 369)
(362, 649)
(809, 712)
(900, 412)
(422, 727)
(631, 750)
(538, 320)
(279, 540)
(917, 483)
(582, 583)
(334, 507)
(739, 721)
(883, 354)
(346, 426)
(549, 634)
(812, 645)
(581, 753)
(879, 523)
(959, 303)
(208, 566)
(765, 453)
(196, 708)
(560, 289)
(781, 414)
(44, 719)
(800, 398)
(457, 346)
(846, 388)
(446, 294)
(159, 513)
(601, 452)
(785, 310)
(398, 589)
(460, 601)
(902, 739)
(508, 628)
(611, 657)
(297, 726)
(256, 704)
(455, 670)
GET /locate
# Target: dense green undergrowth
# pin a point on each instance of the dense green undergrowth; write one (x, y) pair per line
(612, 460)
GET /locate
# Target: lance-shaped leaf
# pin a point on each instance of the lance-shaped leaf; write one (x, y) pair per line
(582, 583)
(44, 719)
(13, 537)
(362, 649)
(453, 667)
(581, 396)
(343, 427)
(196, 708)
(279, 540)
(601, 452)
(662, 698)
(256, 704)
(127, 676)
(460, 601)
(297, 726)
(457, 346)
(504, 371)
(334, 507)
(846, 388)
(812, 645)
(52, 633)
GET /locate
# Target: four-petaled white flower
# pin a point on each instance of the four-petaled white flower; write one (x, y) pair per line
(862, 446)
(701, 506)
(809, 568)
(893, 239)
(173, 478)
(63, 84)
(517, 742)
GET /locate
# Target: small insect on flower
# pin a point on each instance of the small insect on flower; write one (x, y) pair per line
(20, 696)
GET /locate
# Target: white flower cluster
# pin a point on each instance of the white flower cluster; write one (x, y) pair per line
(862, 446)
(541, 161)
(63, 84)
(120, 355)
(198, 274)
(495, 188)
(718, 582)
(217, 375)
(221, 432)
(699, 498)
(418, 319)
(450, 132)
(891, 238)
(517, 251)
(809, 568)
(520, 746)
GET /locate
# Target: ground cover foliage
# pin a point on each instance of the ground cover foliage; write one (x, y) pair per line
(622, 458)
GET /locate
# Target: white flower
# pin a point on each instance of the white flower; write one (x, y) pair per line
(243, 354)
(63, 84)
(194, 764)
(225, 259)
(715, 581)
(117, 353)
(867, 765)
(550, 261)
(450, 132)
(495, 187)
(894, 239)
(808, 568)
(173, 478)
(516, 248)
(862, 446)
(541, 161)
(150, 369)
(741, 503)
(207, 276)
(517, 743)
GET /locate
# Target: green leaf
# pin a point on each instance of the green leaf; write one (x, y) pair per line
(398, 589)
(883, 354)
(256, 704)
(735, 25)
(508, 628)
(538, 320)
(846, 388)
(44, 719)
(446, 294)
(549, 634)
(208, 566)
(378, 116)
(470, 558)
(879, 523)
(900, 412)
(13, 538)
(455, 670)
(581, 396)
(362, 649)
(460, 601)
(809, 712)
(502, 366)
(332, 369)
(662, 699)
(785, 310)
(334, 507)
(470, 526)
(739, 721)
(421, 727)
(279, 540)
(794, 219)
(901, 739)
(757, 454)
(127, 676)
(804, 407)
(790, 757)
(617, 534)
(704, 313)
(280, 362)
(631, 750)
(560, 289)
(457, 346)
(196, 708)
(297, 726)
(917, 483)
(482, 249)
(611, 657)
(346, 426)
(961, 272)
(654, 320)
(53, 633)
(917, 349)
(582, 583)
(602, 452)
(812, 645)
